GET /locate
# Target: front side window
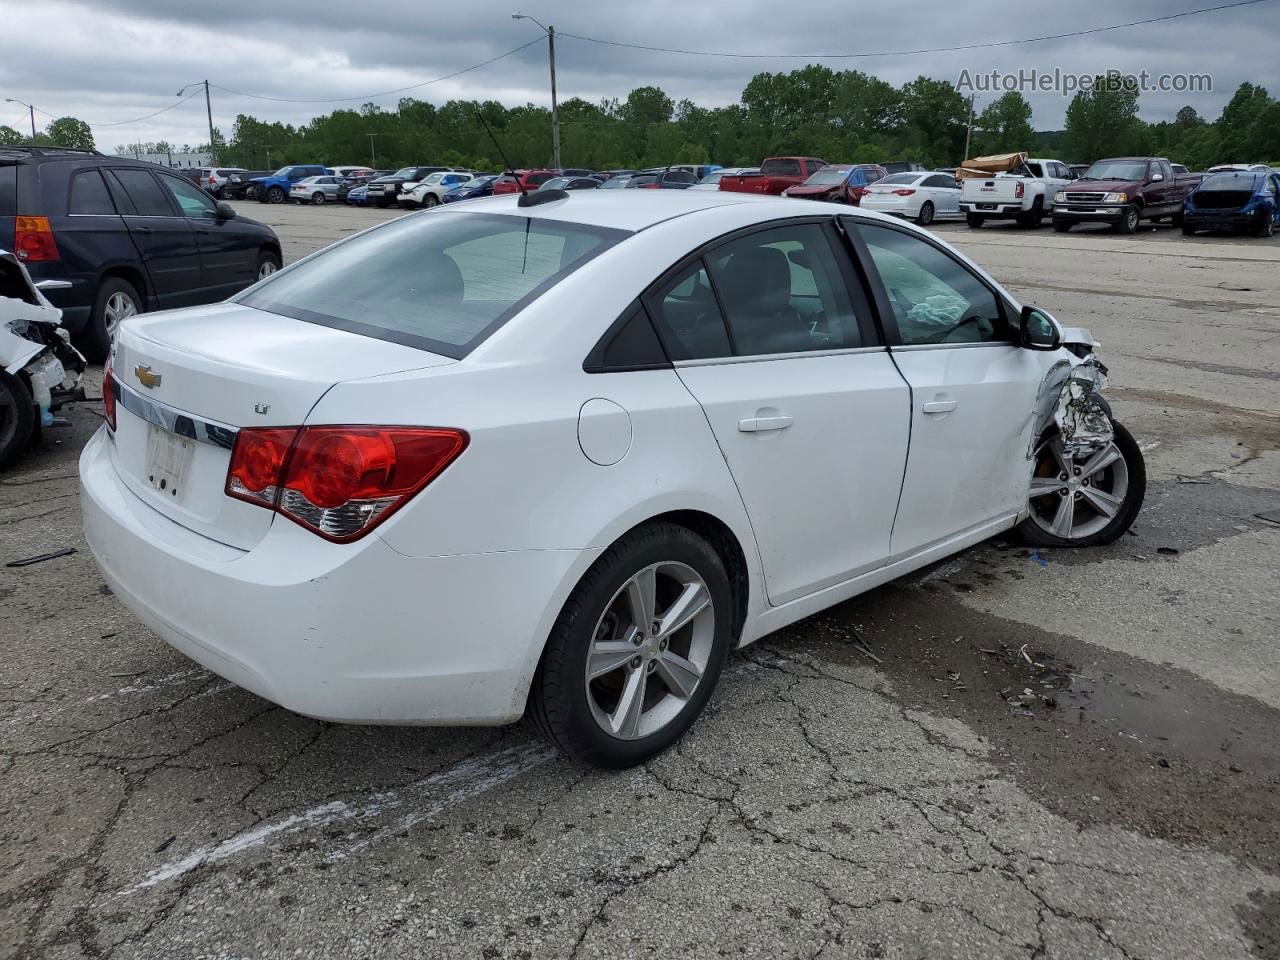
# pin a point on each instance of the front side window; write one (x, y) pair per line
(89, 195)
(147, 197)
(935, 299)
(440, 283)
(193, 201)
(783, 292)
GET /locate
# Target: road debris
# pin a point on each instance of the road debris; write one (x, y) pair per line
(41, 558)
(862, 649)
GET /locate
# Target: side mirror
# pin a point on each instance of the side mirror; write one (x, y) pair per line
(1037, 330)
(1157, 177)
(224, 211)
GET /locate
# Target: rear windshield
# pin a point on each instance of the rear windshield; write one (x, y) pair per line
(442, 283)
(1230, 181)
(781, 167)
(898, 178)
(828, 177)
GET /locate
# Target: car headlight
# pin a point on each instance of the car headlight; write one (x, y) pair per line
(1060, 197)
(1116, 198)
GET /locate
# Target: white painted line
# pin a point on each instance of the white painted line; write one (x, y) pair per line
(422, 798)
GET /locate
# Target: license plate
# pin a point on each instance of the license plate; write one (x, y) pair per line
(168, 461)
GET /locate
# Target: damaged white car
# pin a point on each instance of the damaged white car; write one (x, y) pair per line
(559, 455)
(39, 369)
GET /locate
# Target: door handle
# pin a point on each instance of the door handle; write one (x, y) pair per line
(940, 406)
(761, 424)
(142, 229)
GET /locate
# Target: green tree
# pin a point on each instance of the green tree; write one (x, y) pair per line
(1238, 124)
(9, 137)
(1103, 121)
(70, 132)
(1004, 125)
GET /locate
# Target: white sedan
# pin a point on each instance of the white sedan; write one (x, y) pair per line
(922, 197)
(560, 456)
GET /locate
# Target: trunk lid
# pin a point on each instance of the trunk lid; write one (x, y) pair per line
(190, 378)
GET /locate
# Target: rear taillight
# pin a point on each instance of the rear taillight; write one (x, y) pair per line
(652, 186)
(904, 193)
(109, 396)
(33, 239)
(858, 192)
(1020, 190)
(212, 180)
(338, 482)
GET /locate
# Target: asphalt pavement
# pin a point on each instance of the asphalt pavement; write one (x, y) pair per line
(1069, 755)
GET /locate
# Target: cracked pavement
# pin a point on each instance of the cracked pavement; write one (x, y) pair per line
(861, 785)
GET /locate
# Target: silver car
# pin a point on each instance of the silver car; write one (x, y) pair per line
(712, 180)
(315, 190)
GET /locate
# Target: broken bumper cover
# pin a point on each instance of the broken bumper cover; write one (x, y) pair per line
(355, 633)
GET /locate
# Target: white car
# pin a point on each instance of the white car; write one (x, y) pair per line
(922, 197)
(430, 191)
(561, 457)
(712, 180)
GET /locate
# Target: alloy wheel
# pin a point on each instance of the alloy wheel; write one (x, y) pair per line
(267, 268)
(650, 649)
(120, 306)
(1073, 499)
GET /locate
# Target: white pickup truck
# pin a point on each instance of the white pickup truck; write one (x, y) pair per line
(1024, 193)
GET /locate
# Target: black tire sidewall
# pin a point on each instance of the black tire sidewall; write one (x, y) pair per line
(94, 339)
(973, 220)
(24, 419)
(1134, 496)
(922, 220)
(276, 195)
(264, 257)
(559, 704)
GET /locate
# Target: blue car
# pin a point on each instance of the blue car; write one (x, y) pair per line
(1236, 201)
(475, 187)
(358, 196)
(275, 188)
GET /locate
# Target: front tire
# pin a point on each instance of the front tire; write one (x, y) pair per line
(974, 220)
(317, 198)
(1267, 228)
(117, 300)
(925, 216)
(268, 263)
(1062, 226)
(1129, 223)
(1097, 502)
(17, 418)
(430, 200)
(637, 649)
(276, 195)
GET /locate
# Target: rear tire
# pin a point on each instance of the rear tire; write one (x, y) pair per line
(117, 299)
(974, 220)
(317, 198)
(1188, 230)
(1126, 480)
(17, 418)
(1032, 218)
(598, 628)
(925, 217)
(1267, 228)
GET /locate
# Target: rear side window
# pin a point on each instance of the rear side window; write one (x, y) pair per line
(89, 195)
(148, 199)
(783, 292)
(686, 310)
(441, 283)
(780, 167)
(8, 190)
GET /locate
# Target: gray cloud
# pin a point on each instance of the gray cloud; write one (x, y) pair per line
(119, 59)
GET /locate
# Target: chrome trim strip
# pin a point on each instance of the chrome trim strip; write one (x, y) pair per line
(763, 357)
(905, 347)
(175, 421)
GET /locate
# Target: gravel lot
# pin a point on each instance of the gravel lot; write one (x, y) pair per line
(859, 787)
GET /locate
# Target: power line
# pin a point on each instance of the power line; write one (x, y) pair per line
(121, 123)
(910, 53)
(385, 93)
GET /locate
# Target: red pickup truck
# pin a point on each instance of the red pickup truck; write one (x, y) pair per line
(776, 174)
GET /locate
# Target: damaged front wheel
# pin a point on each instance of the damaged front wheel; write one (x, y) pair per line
(1085, 499)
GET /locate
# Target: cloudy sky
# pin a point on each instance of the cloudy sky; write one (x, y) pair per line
(116, 60)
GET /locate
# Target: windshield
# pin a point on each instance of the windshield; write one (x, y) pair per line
(406, 172)
(898, 178)
(441, 283)
(477, 182)
(1117, 170)
(1230, 181)
(829, 177)
(282, 172)
(614, 183)
(713, 177)
(555, 183)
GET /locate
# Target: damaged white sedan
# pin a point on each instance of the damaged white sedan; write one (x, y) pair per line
(558, 456)
(39, 369)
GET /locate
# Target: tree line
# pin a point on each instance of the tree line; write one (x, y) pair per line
(844, 115)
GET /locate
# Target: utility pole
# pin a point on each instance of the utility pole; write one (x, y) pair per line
(30, 110)
(555, 109)
(968, 133)
(373, 160)
(208, 109)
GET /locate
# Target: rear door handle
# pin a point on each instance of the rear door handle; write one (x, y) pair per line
(760, 424)
(142, 229)
(940, 406)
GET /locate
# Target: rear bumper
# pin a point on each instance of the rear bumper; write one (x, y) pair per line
(355, 633)
(1225, 220)
(993, 210)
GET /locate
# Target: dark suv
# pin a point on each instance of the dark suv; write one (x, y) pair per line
(129, 236)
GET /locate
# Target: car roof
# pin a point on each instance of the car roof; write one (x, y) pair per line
(634, 210)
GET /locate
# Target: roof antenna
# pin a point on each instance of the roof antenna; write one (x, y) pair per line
(527, 199)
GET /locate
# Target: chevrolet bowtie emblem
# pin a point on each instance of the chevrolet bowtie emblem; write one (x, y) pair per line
(146, 377)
